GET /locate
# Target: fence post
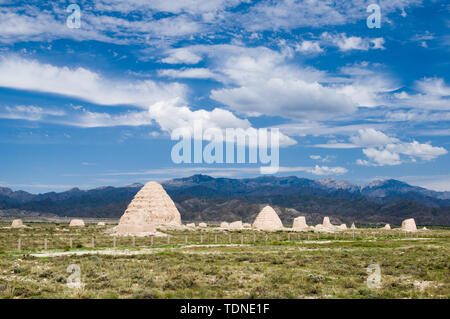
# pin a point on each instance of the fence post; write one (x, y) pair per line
(114, 241)
(19, 244)
(242, 239)
(267, 237)
(201, 239)
(353, 234)
(70, 242)
(215, 238)
(254, 237)
(151, 241)
(93, 242)
(289, 236)
(229, 238)
(168, 239)
(45, 244)
(185, 239)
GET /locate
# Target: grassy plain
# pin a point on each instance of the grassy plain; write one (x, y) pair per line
(256, 265)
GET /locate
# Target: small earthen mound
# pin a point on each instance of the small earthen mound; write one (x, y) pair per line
(342, 227)
(247, 225)
(190, 225)
(235, 225)
(387, 227)
(17, 223)
(76, 223)
(101, 224)
(353, 226)
(409, 225)
(224, 225)
(202, 225)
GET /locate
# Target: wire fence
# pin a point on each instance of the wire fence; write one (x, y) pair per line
(91, 237)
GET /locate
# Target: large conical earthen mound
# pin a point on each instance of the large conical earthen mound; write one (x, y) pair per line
(151, 207)
(268, 219)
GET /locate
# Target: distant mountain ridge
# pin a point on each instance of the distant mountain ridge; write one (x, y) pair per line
(202, 197)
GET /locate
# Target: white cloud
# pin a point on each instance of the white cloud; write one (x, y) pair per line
(381, 157)
(320, 158)
(260, 81)
(382, 150)
(170, 116)
(370, 137)
(181, 55)
(82, 83)
(424, 151)
(190, 6)
(28, 112)
(308, 47)
(189, 73)
(433, 93)
(325, 170)
(345, 43)
(291, 14)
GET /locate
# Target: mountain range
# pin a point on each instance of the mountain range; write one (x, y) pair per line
(205, 198)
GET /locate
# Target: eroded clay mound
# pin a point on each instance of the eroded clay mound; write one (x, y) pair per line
(299, 223)
(17, 223)
(409, 225)
(76, 223)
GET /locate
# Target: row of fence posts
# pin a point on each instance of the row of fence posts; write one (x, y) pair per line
(186, 239)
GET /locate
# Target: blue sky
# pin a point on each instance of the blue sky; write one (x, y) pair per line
(96, 105)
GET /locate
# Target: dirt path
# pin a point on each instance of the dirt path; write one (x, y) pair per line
(115, 252)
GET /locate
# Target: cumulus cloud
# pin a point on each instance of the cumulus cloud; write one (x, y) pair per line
(384, 150)
(371, 137)
(345, 43)
(432, 93)
(381, 149)
(261, 81)
(308, 47)
(170, 116)
(381, 157)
